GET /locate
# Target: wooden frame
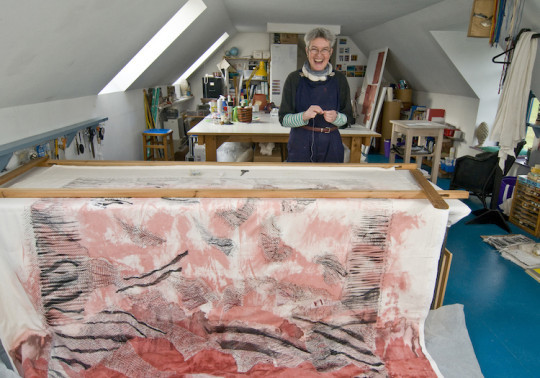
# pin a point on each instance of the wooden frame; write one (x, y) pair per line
(427, 191)
(442, 279)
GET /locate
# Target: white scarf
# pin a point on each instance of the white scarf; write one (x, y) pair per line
(317, 75)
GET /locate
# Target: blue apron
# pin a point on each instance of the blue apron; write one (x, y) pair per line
(311, 146)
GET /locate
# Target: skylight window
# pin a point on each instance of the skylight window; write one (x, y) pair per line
(155, 47)
(203, 57)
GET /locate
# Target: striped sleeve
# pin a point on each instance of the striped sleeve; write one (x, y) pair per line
(340, 120)
(294, 120)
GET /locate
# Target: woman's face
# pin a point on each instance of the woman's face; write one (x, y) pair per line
(318, 53)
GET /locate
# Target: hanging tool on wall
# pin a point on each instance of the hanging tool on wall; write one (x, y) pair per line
(91, 134)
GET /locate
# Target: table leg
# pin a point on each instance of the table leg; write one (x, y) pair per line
(408, 147)
(393, 142)
(210, 146)
(437, 156)
(356, 149)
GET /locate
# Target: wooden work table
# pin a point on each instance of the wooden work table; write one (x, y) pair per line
(266, 128)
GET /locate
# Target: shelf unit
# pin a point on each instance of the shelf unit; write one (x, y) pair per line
(248, 63)
(525, 212)
(176, 102)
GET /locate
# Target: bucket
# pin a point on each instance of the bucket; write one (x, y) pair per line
(507, 188)
(387, 148)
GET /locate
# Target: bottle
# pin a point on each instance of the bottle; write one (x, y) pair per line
(220, 104)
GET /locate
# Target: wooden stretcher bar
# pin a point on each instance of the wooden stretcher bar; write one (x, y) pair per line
(436, 197)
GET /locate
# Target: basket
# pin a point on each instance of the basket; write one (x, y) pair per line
(244, 114)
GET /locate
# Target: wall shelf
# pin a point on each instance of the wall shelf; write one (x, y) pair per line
(176, 102)
(69, 132)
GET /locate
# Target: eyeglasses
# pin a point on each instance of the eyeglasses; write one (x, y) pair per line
(315, 51)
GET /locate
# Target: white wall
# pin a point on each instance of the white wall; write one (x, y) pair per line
(472, 58)
(125, 111)
(460, 112)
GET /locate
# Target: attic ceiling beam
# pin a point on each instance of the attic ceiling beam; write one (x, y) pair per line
(155, 46)
(272, 27)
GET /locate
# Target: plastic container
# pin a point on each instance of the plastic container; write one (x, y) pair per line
(508, 184)
(387, 148)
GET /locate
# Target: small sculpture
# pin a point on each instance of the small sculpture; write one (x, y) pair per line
(482, 132)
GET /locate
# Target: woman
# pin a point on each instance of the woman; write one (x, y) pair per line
(316, 101)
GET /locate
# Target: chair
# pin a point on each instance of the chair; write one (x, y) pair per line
(482, 176)
(476, 174)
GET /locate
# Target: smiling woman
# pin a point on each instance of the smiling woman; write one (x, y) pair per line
(316, 102)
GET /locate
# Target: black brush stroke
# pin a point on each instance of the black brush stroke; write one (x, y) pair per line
(335, 352)
(132, 316)
(77, 350)
(366, 352)
(116, 338)
(57, 264)
(65, 311)
(336, 327)
(118, 322)
(173, 261)
(250, 347)
(65, 299)
(164, 276)
(252, 331)
(72, 361)
(57, 284)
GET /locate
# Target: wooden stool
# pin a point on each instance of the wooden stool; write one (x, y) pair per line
(158, 144)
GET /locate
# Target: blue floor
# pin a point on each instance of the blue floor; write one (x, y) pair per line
(501, 301)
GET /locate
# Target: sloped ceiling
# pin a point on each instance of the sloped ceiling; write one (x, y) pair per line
(58, 49)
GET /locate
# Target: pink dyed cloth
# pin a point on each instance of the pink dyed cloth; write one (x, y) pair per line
(229, 287)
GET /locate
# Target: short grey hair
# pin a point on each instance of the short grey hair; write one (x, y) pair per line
(319, 33)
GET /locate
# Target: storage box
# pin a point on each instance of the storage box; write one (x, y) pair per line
(275, 157)
(404, 95)
(286, 38)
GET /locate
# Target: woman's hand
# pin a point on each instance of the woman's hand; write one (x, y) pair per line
(312, 112)
(330, 116)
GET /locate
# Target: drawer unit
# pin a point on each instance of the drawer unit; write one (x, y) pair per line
(525, 212)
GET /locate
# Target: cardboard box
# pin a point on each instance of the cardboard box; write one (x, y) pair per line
(288, 38)
(275, 157)
(404, 95)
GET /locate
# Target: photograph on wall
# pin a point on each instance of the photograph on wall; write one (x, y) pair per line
(354, 58)
(359, 71)
(343, 41)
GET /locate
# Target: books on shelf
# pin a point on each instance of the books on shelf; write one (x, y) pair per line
(418, 112)
(436, 115)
